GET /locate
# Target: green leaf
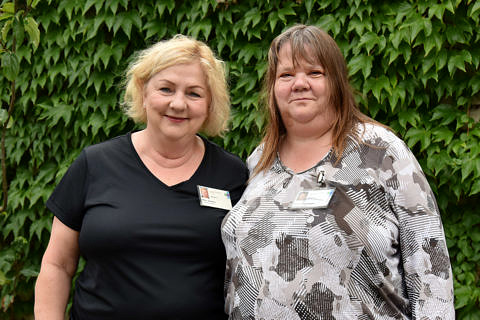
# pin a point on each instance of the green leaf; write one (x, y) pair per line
(272, 20)
(403, 10)
(29, 272)
(360, 62)
(358, 25)
(408, 116)
(449, 6)
(472, 9)
(31, 27)
(326, 22)
(286, 11)
(88, 4)
(474, 83)
(203, 26)
(436, 10)
(427, 27)
(10, 66)
(455, 36)
(309, 6)
(5, 16)
(428, 62)
(96, 122)
(56, 112)
(155, 28)
(369, 40)
(458, 61)
(475, 189)
(6, 29)
(442, 134)
(33, 3)
(441, 59)
(379, 84)
(39, 226)
(9, 7)
(415, 135)
(445, 112)
(395, 38)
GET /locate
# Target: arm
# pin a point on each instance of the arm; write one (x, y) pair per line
(58, 267)
(426, 264)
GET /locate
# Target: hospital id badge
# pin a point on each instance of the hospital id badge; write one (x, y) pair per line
(216, 198)
(312, 199)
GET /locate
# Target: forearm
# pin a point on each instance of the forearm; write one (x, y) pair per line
(52, 292)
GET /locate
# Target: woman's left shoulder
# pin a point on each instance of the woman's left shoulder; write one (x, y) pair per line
(226, 158)
(381, 136)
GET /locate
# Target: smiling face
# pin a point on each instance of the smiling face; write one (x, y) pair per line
(301, 92)
(176, 100)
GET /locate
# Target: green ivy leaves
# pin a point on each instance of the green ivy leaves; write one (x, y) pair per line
(415, 66)
(10, 66)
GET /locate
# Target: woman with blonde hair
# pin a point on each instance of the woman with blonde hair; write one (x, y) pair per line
(131, 206)
(338, 220)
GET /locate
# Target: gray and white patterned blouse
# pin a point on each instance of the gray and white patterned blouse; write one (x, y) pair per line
(377, 252)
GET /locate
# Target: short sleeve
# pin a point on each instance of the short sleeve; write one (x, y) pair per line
(427, 271)
(67, 202)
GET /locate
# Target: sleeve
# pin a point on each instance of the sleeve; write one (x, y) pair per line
(427, 270)
(253, 158)
(239, 187)
(67, 202)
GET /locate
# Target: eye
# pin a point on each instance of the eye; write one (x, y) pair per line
(165, 90)
(195, 94)
(317, 73)
(285, 75)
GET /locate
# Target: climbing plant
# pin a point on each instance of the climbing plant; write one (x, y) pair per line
(414, 64)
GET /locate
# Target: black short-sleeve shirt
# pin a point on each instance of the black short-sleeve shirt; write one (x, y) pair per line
(151, 251)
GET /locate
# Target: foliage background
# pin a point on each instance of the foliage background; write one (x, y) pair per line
(414, 64)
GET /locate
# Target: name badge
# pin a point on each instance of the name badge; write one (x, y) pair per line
(310, 199)
(216, 198)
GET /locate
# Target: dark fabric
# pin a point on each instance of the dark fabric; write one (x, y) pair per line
(151, 251)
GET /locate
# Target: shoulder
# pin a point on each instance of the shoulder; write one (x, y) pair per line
(219, 155)
(110, 144)
(373, 135)
(377, 147)
(254, 157)
(109, 148)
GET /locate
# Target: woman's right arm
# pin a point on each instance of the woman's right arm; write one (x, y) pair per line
(59, 265)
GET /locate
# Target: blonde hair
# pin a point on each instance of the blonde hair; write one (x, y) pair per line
(179, 50)
(315, 46)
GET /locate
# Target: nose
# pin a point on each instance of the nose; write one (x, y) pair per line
(300, 82)
(178, 101)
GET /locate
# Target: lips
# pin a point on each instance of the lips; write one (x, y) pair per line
(301, 99)
(175, 119)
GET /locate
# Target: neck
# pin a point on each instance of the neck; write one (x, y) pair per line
(312, 149)
(167, 153)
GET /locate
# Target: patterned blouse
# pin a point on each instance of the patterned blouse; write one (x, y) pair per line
(377, 251)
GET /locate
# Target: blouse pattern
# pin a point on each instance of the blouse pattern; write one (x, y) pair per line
(377, 252)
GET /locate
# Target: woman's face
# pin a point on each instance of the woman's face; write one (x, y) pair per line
(301, 91)
(176, 100)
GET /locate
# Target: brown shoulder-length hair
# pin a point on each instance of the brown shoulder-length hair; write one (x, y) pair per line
(315, 46)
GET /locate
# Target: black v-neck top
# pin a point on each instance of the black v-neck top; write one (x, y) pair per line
(151, 251)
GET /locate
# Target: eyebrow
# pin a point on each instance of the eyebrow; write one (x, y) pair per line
(189, 87)
(292, 66)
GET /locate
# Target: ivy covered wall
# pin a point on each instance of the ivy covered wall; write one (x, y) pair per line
(414, 64)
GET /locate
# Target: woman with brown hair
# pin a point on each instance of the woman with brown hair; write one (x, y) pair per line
(338, 220)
